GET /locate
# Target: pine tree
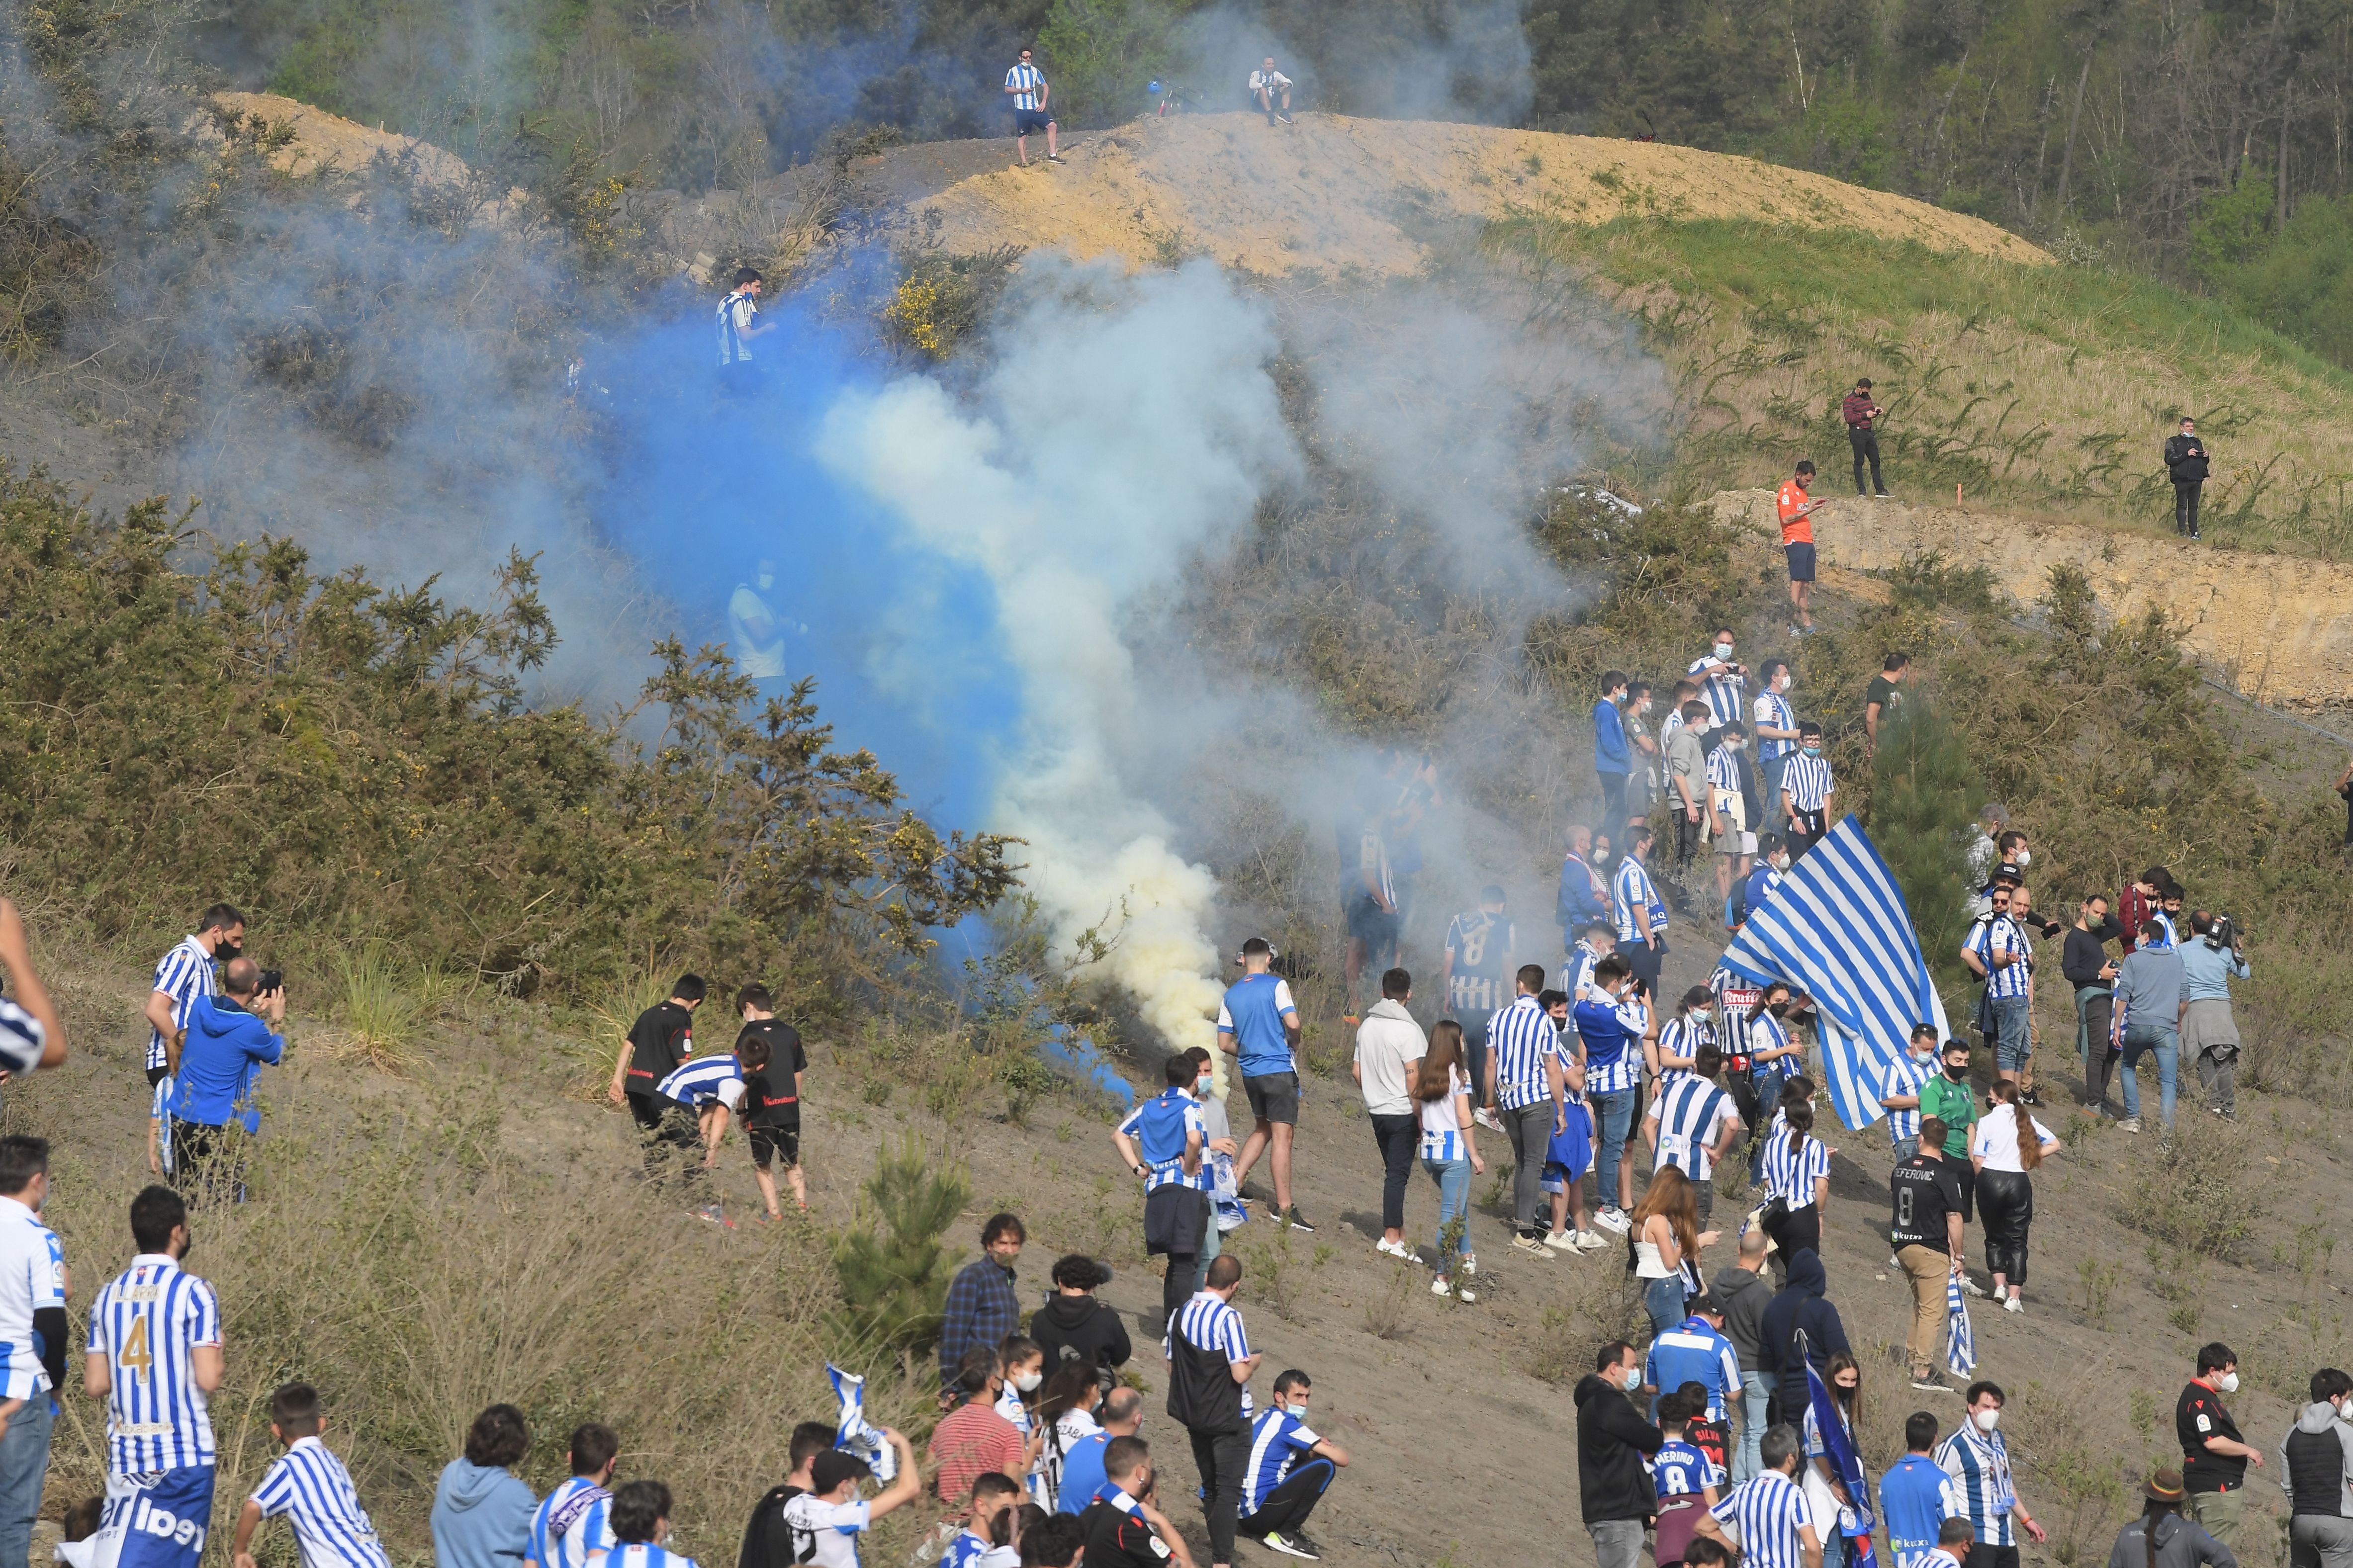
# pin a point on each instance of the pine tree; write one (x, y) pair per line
(1922, 804)
(892, 1265)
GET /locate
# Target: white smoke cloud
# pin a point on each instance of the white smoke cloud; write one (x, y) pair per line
(1128, 426)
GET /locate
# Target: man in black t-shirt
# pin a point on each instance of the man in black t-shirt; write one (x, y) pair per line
(768, 1541)
(1883, 695)
(661, 1038)
(1122, 1526)
(2214, 1458)
(1925, 1232)
(772, 1095)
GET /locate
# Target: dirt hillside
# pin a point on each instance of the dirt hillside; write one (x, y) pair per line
(2282, 626)
(324, 141)
(1338, 194)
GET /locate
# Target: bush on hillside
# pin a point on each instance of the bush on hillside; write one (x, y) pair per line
(1924, 791)
(892, 1265)
(351, 762)
(2192, 1190)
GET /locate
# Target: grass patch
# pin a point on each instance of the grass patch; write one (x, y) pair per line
(2192, 1190)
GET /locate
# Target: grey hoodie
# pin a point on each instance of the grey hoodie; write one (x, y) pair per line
(2318, 1419)
(1388, 1043)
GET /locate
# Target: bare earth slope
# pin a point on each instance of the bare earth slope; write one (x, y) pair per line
(2282, 627)
(1338, 194)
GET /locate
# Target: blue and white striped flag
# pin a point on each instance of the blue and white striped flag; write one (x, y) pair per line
(1837, 929)
(1960, 1344)
(1855, 1521)
(853, 1433)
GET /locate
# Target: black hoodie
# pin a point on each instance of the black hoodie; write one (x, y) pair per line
(1612, 1438)
(1799, 1306)
(1079, 1328)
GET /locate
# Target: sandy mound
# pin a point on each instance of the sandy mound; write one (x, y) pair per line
(1338, 194)
(2280, 628)
(324, 141)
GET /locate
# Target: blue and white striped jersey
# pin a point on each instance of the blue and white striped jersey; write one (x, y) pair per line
(23, 1038)
(1521, 1039)
(32, 1277)
(737, 312)
(1442, 1130)
(969, 1551)
(1773, 709)
(1791, 1169)
(186, 973)
(1208, 1323)
(1010, 1405)
(1766, 1033)
(1678, 1470)
(1612, 1033)
(147, 1322)
(1682, 1037)
(1692, 1113)
(572, 1522)
(1631, 889)
(1999, 932)
(705, 1079)
(1724, 771)
(1023, 83)
(1806, 782)
(1722, 691)
(1905, 1075)
(645, 1555)
(1479, 946)
(309, 1486)
(825, 1535)
(2172, 937)
(1691, 1351)
(1576, 975)
(1766, 1512)
(1979, 1462)
(1160, 1127)
(1278, 1441)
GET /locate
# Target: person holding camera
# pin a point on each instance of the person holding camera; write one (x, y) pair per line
(229, 1038)
(2210, 1036)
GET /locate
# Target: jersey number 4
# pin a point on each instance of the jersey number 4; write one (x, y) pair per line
(136, 1354)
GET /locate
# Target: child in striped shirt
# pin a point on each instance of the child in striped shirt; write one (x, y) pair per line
(309, 1484)
(640, 1526)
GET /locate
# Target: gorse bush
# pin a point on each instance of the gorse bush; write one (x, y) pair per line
(351, 763)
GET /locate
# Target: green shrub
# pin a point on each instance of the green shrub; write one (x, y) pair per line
(892, 1266)
(2191, 1190)
(1923, 798)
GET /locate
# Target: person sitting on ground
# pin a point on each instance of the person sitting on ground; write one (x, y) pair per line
(1290, 1466)
(1270, 89)
(309, 1484)
(1685, 1480)
(831, 1515)
(767, 1542)
(994, 1495)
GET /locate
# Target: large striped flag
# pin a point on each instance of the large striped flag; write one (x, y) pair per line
(1837, 929)
(1854, 1521)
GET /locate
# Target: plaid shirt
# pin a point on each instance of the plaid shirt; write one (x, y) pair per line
(981, 1310)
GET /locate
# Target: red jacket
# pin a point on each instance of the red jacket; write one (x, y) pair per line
(2131, 909)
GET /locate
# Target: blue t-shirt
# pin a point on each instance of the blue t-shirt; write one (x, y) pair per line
(1253, 1013)
(1678, 1470)
(1082, 1473)
(1915, 1497)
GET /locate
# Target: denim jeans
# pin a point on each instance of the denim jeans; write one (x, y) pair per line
(1453, 1179)
(1617, 1542)
(1755, 1390)
(1613, 1112)
(1213, 1241)
(24, 1465)
(2166, 1046)
(2013, 1017)
(1906, 1148)
(1664, 1300)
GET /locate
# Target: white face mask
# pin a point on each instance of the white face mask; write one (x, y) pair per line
(2227, 1383)
(1987, 1420)
(1201, 1087)
(1724, 650)
(2025, 858)
(1788, 682)
(1026, 1382)
(1632, 1378)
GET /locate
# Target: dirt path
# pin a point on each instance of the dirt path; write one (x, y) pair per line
(2279, 627)
(1343, 195)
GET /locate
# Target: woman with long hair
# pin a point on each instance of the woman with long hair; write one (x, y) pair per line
(1449, 1151)
(1065, 1413)
(1797, 1181)
(2162, 1537)
(2007, 1145)
(1826, 1492)
(1666, 1241)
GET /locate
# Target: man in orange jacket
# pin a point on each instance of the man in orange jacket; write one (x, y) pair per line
(1797, 511)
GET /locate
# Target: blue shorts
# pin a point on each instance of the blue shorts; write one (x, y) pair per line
(1026, 121)
(156, 1520)
(1801, 562)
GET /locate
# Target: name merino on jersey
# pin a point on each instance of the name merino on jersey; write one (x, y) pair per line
(147, 1322)
(310, 1486)
(1678, 1470)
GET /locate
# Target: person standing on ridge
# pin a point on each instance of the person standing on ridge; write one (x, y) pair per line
(1258, 1026)
(1795, 509)
(1882, 697)
(1861, 414)
(1028, 88)
(739, 322)
(2185, 464)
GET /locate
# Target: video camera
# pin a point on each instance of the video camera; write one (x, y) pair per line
(2225, 933)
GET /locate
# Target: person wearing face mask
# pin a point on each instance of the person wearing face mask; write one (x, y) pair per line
(1774, 724)
(1996, 953)
(1772, 864)
(189, 971)
(1729, 816)
(1826, 1492)
(1614, 1485)
(1025, 1372)
(1977, 1457)
(1948, 1098)
(1613, 759)
(974, 1437)
(754, 635)
(1808, 792)
(1290, 1466)
(2316, 1474)
(1722, 680)
(1900, 1087)
(2214, 1457)
(1686, 776)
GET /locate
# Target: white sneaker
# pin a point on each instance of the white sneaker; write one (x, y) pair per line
(1470, 1264)
(1561, 1240)
(1615, 1219)
(2129, 1124)
(1441, 1286)
(1970, 1287)
(1395, 1249)
(1486, 1119)
(1587, 1241)
(2013, 1305)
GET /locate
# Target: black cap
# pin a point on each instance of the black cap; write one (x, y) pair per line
(833, 1466)
(1705, 1303)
